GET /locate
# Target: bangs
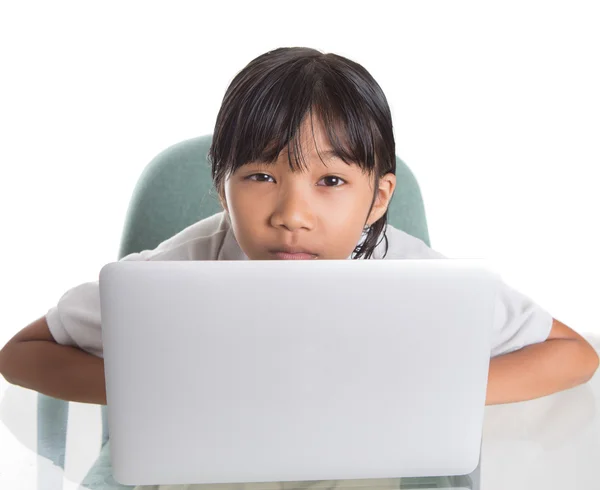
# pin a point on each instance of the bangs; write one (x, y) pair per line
(272, 139)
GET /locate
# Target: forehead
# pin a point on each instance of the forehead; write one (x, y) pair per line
(313, 143)
(314, 136)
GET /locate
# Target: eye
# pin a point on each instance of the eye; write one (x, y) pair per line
(260, 177)
(333, 181)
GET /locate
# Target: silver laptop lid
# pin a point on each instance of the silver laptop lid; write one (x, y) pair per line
(260, 371)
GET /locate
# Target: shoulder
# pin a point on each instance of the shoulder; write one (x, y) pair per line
(208, 239)
(401, 245)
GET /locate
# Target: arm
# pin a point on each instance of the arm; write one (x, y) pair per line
(32, 359)
(563, 361)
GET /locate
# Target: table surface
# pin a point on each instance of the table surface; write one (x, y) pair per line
(550, 443)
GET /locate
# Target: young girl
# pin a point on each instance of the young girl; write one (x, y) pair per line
(303, 161)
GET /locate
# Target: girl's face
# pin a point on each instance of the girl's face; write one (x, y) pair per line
(314, 214)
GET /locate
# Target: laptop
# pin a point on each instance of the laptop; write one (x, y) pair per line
(280, 371)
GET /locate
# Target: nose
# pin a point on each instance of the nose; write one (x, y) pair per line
(293, 211)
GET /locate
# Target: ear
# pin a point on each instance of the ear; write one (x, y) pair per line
(223, 203)
(385, 190)
(221, 196)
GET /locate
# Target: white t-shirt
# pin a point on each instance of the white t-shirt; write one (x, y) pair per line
(75, 320)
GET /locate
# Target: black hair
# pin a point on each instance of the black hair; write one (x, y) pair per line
(269, 99)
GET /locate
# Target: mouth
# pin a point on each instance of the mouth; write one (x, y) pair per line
(293, 254)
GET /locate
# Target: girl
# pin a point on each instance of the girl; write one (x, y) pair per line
(303, 161)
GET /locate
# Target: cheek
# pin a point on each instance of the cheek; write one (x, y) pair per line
(237, 201)
(248, 208)
(351, 207)
(244, 211)
(343, 223)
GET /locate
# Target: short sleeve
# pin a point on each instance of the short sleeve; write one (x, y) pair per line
(75, 319)
(518, 321)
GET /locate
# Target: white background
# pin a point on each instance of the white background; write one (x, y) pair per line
(495, 109)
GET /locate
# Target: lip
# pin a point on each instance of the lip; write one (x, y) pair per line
(288, 253)
(295, 256)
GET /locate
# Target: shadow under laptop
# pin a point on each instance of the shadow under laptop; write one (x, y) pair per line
(462, 482)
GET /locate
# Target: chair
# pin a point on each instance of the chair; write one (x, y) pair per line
(174, 191)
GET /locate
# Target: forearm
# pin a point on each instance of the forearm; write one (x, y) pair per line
(60, 371)
(537, 370)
